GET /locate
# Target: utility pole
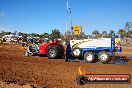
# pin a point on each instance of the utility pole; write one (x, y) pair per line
(69, 22)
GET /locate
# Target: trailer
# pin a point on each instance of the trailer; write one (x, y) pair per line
(90, 49)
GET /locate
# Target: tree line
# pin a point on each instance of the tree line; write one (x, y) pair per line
(68, 35)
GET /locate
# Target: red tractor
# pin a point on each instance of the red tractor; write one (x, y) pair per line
(52, 49)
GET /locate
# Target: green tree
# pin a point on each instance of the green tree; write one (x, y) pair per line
(129, 33)
(6, 33)
(45, 35)
(55, 34)
(110, 33)
(20, 34)
(88, 36)
(122, 32)
(95, 33)
(2, 33)
(104, 33)
(33, 34)
(68, 32)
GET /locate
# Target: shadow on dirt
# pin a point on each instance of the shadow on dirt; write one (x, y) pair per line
(119, 60)
(124, 58)
(49, 58)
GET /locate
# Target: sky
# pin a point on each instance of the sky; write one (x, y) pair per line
(39, 16)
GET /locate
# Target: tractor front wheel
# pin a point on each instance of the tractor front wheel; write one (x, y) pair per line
(52, 51)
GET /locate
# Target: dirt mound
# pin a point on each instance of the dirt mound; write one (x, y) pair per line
(42, 72)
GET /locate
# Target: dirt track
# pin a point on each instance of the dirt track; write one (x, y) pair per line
(42, 72)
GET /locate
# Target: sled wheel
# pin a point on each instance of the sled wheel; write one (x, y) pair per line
(103, 56)
(76, 52)
(89, 57)
(52, 52)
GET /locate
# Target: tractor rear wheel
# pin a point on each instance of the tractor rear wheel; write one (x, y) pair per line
(52, 51)
(61, 51)
(103, 56)
(89, 57)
